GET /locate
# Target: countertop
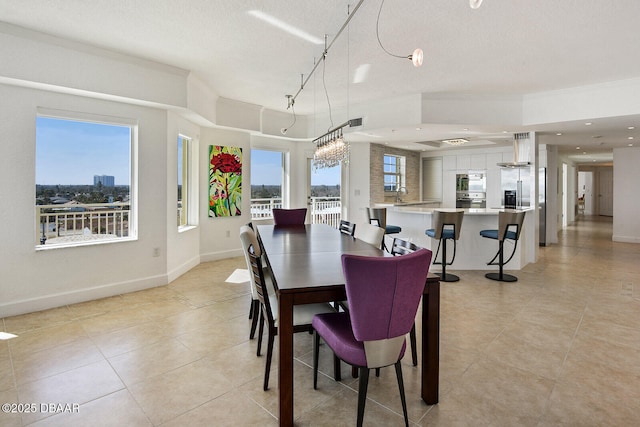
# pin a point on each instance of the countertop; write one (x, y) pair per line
(470, 211)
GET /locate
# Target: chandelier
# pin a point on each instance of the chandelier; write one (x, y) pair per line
(331, 149)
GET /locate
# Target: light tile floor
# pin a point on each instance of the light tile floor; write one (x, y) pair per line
(559, 347)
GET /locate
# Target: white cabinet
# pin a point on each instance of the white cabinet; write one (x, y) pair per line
(463, 162)
(449, 163)
(449, 189)
(478, 162)
(493, 159)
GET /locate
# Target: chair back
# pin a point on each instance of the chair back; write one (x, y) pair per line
(403, 247)
(449, 220)
(383, 295)
(257, 274)
(377, 216)
(289, 216)
(347, 227)
(248, 239)
(371, 234)
(507, 220)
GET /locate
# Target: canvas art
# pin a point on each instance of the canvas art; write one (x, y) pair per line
(225, 181)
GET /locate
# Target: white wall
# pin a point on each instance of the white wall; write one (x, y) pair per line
(626, 203)
(31, 280)
(182, 247)
(358, 188)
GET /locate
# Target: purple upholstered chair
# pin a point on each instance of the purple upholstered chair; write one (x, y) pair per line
(289, 216)
(383, 295)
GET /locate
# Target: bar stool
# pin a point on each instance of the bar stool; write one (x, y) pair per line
(378, 217)
(509, 228)
(446, 227)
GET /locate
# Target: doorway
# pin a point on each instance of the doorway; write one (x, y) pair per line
(324, 194)
(565, 186)
(605, 192)
(585, 191)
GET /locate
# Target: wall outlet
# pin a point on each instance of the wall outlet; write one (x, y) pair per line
(228, 233)
(156, 252)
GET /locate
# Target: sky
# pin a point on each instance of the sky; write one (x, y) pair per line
(266, 168)
(71, 152)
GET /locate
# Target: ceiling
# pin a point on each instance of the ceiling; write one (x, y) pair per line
(505, 48)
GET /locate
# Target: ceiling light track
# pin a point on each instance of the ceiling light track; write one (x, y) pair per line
(324, 53)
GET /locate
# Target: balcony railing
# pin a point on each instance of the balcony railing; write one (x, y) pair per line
(82, 222)
(322, 210)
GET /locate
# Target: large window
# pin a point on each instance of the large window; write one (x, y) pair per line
(394, 172)
(266, 182)
(84, 182)
(187, 198)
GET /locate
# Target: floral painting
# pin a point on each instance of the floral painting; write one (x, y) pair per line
(225, 181)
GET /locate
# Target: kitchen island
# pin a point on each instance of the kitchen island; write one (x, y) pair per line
(473, 251)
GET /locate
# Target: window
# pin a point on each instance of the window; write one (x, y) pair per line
(266, 182)
(187, 199)
(84, 186)
(394, 172)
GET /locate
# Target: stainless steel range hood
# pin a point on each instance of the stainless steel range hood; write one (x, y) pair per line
(520, 152)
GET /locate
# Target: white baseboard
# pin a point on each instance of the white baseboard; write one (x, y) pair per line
(81, 295)
(626, 239)
(215, 256)
(181, 269)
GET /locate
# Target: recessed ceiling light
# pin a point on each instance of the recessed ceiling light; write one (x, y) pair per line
(577, 148)
(504, 131)
(630, 145)
(272, 20)
(588, 124)
(418, 128)
(465, 129)
(630, 137)
(584, 152)
(594, 160)
(631, 127)
(559, 133)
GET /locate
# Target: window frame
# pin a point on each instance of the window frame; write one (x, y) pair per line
(189, 191)
(284, 178)
(133, 214)
(398, 172)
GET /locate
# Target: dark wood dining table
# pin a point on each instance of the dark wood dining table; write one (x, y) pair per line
(305, 261)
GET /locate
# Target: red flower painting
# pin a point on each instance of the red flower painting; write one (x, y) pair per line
(225, 181)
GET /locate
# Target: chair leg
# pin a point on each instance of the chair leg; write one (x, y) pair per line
(401, 388)
(253, 315)
(444, 276)
(316, 351)
(377, 372)
(251, 309)
(354, 372)
(267, 368)
(501, 276)
(337, 374)
(414, 345)
(362, 393)
(260, 332)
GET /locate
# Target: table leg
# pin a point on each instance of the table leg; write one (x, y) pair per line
(285, 370)
(431, 342)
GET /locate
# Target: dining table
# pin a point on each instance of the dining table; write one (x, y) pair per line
(305, 263)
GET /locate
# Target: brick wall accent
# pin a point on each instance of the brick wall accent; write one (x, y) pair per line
(376, 174)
